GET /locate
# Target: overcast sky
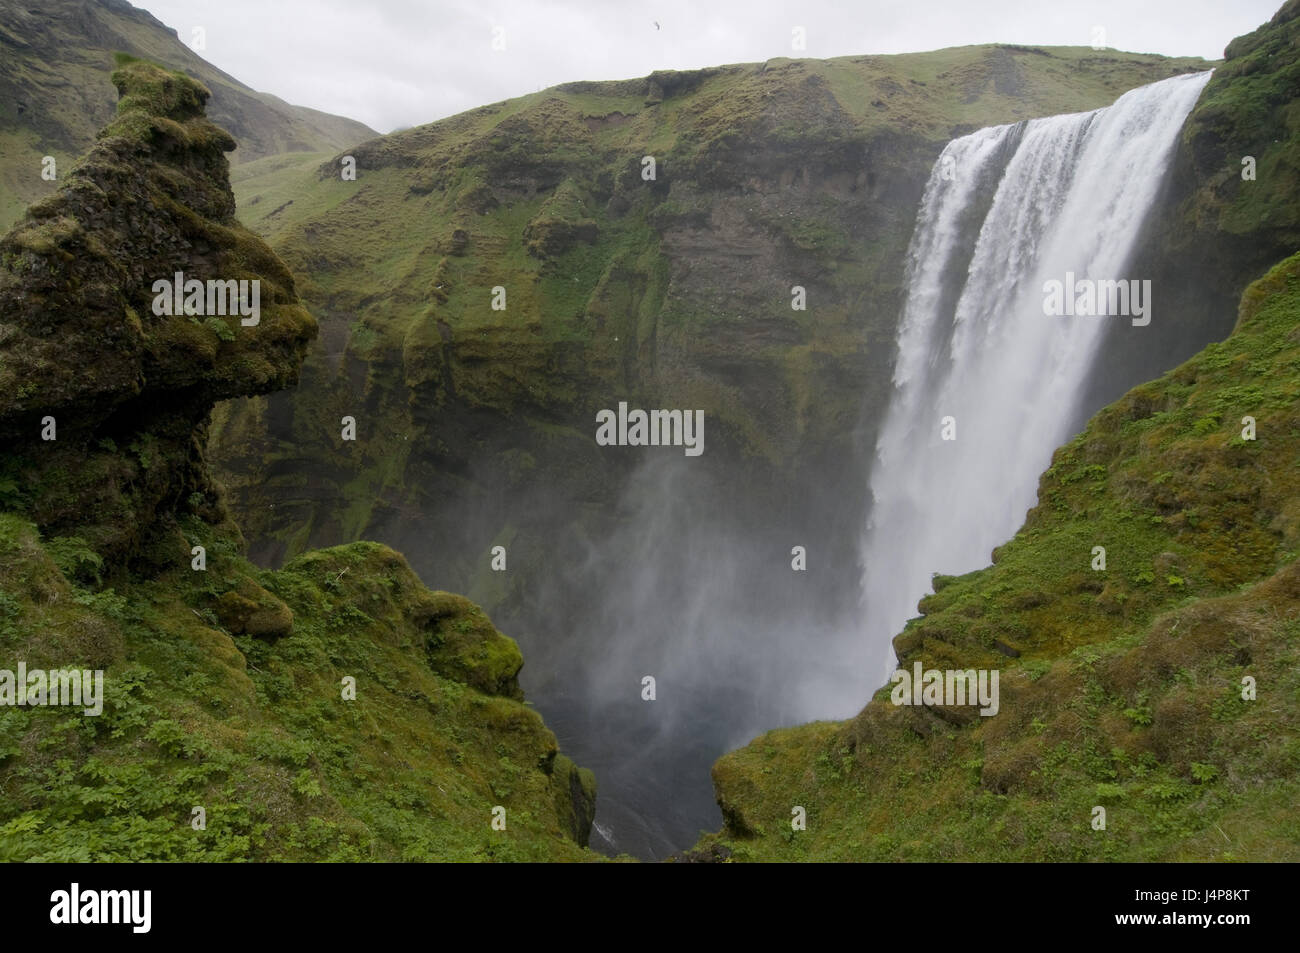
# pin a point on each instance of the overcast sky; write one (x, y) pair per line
(396, 63)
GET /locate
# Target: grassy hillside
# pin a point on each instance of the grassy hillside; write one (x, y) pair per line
(210, 704)
(335, 710)
(55, 58)
(1120, 688)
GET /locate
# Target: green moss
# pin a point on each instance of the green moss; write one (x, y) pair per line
(258, 733)
(248, 609)
(1254, 90)
(462, 644)
(575, 797)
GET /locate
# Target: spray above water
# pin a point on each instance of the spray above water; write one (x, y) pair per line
(988, 376)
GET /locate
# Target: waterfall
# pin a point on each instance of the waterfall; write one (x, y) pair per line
(1069, 195)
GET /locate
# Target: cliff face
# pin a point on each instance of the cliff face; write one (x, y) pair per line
(336, 709)
(671, 291)
(1240, 149)
(55, 58)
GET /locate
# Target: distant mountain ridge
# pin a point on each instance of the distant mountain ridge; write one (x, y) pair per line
(55, 59)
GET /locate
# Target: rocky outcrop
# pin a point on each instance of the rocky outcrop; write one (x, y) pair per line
(103, 402)
(334, 710)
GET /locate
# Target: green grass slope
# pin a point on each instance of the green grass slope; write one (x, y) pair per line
(1120, 688)
(258, 733)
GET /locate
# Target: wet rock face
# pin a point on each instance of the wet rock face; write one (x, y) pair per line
(103, 400)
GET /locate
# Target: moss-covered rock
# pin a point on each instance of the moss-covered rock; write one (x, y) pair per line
(103, 403)
(1247, 117)
(248, 609)
(1229, 211)
(575, 797)
(463, 644)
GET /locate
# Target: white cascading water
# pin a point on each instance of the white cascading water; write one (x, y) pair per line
(1072, 196)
